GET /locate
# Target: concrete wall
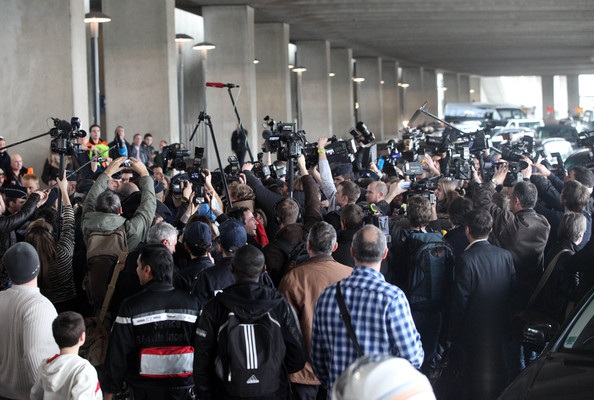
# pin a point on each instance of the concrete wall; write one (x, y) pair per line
(140, 68)
(43, 72)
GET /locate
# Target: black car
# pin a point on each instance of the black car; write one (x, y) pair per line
(565, 369)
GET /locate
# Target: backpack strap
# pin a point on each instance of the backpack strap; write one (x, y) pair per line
(545, 277)
(111, 287)
(346, 318)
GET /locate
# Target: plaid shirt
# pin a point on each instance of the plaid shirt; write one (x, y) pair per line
(381, 319)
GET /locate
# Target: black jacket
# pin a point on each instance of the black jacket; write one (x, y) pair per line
(247, 300)
(184, 279)
(213, 280)
(159, 316)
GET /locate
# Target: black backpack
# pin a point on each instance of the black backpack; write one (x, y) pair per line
(294, 254)
(431, 263)
(250, 356)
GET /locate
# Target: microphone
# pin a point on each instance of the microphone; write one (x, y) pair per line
(418, 112)
(122, 149)
(221, 85)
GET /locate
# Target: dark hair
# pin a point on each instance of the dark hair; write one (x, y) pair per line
(526, 193)
(458, 209)
(237, 213)
(92, 126)
(39, 235)
(350, 190)
(287, 211)
(418, 211)
(322, 238)
(159, 258)
(575, 196)
(479, 223)
(147, 135)
(67, 328)
(351, 216)
(369, 244)
(583, 175)
(248, 264)
(108, 202)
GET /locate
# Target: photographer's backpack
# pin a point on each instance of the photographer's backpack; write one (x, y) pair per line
(103, 250)
(250, 356)
(431, 263)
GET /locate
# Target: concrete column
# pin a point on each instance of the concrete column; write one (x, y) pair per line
(272, 73)
(231, 62)
(450, 81)
(44, 72)
(194, 89)
(316, 96)
(343, 103)
(463, 88)
(573, 92)
(548, 97)
(430, 89)
(475, 88)
(390, 103)
(412, 90)
(141, 68)
(370, 95)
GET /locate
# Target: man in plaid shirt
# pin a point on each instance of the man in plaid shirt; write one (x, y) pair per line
(379, 311)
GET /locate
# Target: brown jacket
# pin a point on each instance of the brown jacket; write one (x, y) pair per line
(302, 286)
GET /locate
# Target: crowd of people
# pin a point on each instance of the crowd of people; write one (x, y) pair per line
(270, 296)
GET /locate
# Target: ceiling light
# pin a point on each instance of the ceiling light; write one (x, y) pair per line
(331, 74)
(256, 61)
(204, 46)
(96, 16)
(182, 37)
(299, 69)
(358, 79)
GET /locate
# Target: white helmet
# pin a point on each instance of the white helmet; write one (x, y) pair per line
(382, 377)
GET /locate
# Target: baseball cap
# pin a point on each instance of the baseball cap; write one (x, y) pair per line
(232, 235)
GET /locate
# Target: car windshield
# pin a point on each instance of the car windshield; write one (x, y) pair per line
(550, 132)
(581, 334)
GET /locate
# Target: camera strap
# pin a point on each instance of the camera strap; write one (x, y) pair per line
(346, 318)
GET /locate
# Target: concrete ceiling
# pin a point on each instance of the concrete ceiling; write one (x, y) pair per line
(478, 37)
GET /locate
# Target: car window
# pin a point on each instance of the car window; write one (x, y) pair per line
(581, 334)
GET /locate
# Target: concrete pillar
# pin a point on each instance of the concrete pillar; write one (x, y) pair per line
(44, 72)
(390, 103)
(450, 82)
(573, 92)
(272, 72)
(343, 103)
(548, 97)
(194, 80)
(231, 62)
(463, 88)
(475, 88)
(412, 91)
(370, 95)
(430, 89)
(316, 96)
(140, 68)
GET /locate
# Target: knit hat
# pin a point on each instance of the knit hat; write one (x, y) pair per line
(232, 235)
(198, 234)
(21, 262)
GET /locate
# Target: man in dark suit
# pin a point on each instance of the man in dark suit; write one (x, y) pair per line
(479, 313)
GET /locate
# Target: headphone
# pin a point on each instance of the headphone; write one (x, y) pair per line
(277, 210)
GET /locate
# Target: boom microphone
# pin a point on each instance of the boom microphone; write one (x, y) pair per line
(221, 85)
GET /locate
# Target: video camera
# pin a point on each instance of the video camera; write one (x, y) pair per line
(194, 174)
(284, 139)
(64, 136)
(175, 153)
(361, 134)
(337, 151)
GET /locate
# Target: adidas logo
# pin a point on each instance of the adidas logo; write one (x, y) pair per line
(252, 380)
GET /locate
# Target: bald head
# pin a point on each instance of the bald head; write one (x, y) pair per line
(369, 246)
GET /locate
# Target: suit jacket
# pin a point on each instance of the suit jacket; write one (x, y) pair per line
(483, 279)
